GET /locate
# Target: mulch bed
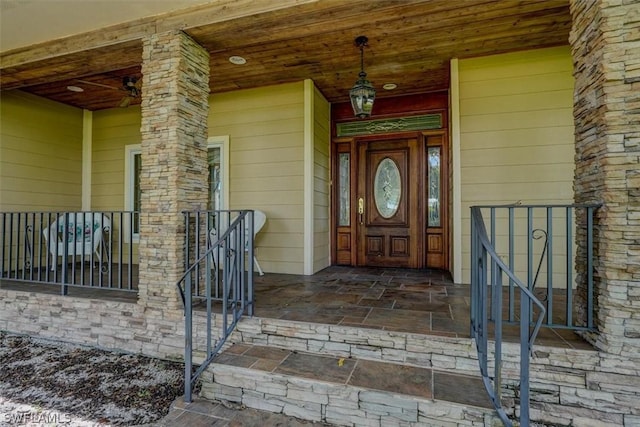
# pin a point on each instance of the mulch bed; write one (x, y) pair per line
(101, 387)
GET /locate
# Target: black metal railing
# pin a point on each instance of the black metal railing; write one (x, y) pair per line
(216, 280)
(84, 249)
(539, 243)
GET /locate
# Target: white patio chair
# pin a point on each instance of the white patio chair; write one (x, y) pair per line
(259, 219)
(85, 233)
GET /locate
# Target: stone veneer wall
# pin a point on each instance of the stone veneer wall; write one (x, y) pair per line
(103, 323)
(175, 107)
(605, 42)
(107, 324)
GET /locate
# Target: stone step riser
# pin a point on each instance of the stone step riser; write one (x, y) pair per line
(557, 374)
(337, 404)
(441, 353)
(459, 355)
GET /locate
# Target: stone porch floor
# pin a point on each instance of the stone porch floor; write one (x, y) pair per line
(413, 301)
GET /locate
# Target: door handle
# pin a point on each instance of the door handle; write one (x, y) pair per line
(361, 208)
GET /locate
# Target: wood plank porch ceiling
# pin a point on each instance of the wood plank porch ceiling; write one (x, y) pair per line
(410, 44)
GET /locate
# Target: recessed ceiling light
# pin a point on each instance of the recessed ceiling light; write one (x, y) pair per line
(75, 89)
(237, 60)
(389, 86)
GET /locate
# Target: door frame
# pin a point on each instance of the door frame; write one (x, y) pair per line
(344, 243)
(392, 108)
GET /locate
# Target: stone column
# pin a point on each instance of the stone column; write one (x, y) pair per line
(605, 43)
(175, 106)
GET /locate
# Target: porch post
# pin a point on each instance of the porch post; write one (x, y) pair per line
(173, 178)
(604, 39)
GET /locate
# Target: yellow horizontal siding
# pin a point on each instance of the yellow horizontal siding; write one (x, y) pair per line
(513, 103)
(107, 178)
(516, 132)
(42, 185)
(282, 129)
(478, 121)
(40, 154)
(265, 142)
(259, 115)
(516, 65)
(268, 170)
(282, 240)
(113, 130)
(520, 174)
(320, 199)
(266, 137)
(23, 200)
(119, 132)
(109, 166)
(278, 96)
(553, 81)
(42, 146)
(510, 193)
(256, 198)
(285, 267)
(267, 184)
(267, 155)
(545, 136)
(525, 155)
(284, 225)
(31, 176)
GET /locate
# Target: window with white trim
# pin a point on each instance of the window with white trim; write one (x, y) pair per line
(218, 159)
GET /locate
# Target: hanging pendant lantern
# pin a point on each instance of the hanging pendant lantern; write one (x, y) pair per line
(362, 93)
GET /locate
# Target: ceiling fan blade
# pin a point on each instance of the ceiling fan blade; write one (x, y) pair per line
(124, 103)
(97, 84)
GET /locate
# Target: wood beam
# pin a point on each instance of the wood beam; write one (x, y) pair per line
(218, 11)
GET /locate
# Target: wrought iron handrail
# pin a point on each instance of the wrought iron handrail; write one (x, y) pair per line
(224, 279)
(482, 252)
(525, 227)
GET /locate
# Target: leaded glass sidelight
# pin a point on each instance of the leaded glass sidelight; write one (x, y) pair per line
(214, 159)
(344, 191)
(387, 188)
(434, 184)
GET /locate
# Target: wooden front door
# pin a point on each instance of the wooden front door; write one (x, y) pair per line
(406, 142)
(388, 221)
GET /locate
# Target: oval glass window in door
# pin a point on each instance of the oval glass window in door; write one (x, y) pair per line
(387, 188)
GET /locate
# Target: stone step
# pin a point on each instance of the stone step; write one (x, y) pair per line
(431, 351)
(345, 391)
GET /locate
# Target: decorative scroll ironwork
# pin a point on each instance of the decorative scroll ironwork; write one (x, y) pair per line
(538, 234)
